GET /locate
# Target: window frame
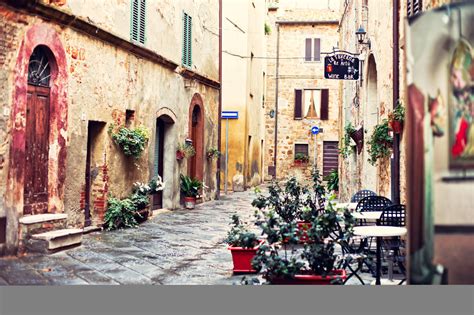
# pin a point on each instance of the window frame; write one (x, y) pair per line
(312, 58)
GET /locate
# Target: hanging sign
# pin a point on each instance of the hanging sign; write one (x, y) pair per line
(341, 66)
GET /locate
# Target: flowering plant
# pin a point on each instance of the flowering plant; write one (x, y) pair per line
(156, 184)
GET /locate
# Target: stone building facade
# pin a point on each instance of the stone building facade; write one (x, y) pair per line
(365, 103)
(122, 66)
(298, 96)
(243, 78)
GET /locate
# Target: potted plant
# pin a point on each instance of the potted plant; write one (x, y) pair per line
(358, 136)
(131, 141)
(190, 188)
(243, 246)
(346, 148)
(120, 214)
(213, 153)
(301, 159)
(316, 263)
(185, 150)
(333, 181)
(156, 184)
(396, 118)
(380, 143)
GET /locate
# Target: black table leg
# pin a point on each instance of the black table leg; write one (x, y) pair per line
(379, 262)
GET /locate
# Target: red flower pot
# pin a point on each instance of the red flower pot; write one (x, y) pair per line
(397, 126)
(311, 279)
(242, 258)
(189, 202)
(179, 155)
(303, 227)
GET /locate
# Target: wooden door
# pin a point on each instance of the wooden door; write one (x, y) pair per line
(37, 149)
(195, 130)
(330, 156)
(159, 160)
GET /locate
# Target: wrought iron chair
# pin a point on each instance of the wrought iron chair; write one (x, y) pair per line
(373, 203)
(354, 256)
(394, 215)
(361, 194)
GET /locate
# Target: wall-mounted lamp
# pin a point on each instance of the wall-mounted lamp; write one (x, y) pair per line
(272, 113)
(361, 36)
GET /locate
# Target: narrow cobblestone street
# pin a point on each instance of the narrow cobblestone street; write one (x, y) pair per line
(181, 247)
(173, 247)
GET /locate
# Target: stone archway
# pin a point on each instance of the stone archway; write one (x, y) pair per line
(45, 36)
(196, 134)
(371, 119)
(164, 158)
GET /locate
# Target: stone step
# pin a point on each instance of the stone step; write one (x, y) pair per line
(42, 218)
(58, 239)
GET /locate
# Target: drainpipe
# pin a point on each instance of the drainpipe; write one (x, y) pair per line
(218, 173)
(395, 165)
(276, 99)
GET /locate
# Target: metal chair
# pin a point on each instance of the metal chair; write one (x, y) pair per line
(373, 203)
(354, 252)
(394, 215)
(361, 194)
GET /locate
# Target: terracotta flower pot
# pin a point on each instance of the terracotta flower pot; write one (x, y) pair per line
(142, 215)
(358, 137)
(189, 202)
(242, 258)
(311, 279)
(397, 126)
(179, 155)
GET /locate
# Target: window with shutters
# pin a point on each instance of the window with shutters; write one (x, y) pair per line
(312, 49)
(414, 7)
(187, 40)
(138, 21)
(312, 104)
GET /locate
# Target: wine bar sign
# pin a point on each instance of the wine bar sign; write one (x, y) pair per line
(341, 66)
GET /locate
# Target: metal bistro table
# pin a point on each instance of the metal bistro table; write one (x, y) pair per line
(351, 206)
(379, 232)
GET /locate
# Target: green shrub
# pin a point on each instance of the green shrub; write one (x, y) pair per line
(380, 143)
(120, 214)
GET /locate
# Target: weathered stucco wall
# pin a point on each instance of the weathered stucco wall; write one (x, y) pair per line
(164, 26)
(295, 73)
(243, 89)
(101, 82)
(374, 93)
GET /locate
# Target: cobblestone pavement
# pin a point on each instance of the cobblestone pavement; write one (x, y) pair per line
(175, 247)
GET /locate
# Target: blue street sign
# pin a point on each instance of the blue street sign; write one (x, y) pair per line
(315, 130)
(230, 115)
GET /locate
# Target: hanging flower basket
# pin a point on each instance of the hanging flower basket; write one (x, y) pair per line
(358, 137)
(396, 126)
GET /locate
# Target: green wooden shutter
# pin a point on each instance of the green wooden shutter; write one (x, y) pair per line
(138, 21)
(190, 51)
(187, 40)
(134, 20)
(142, 22)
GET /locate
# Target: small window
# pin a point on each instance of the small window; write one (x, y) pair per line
(187, 40)
(301, 152)
(312, 49)
(129, 117)
(138, 21)
(312, 104)
(3, 230)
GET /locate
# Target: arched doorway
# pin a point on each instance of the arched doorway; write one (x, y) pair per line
(35, 192)
(40, 40)
(371, 119)
(196, 134)
(163, 158)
